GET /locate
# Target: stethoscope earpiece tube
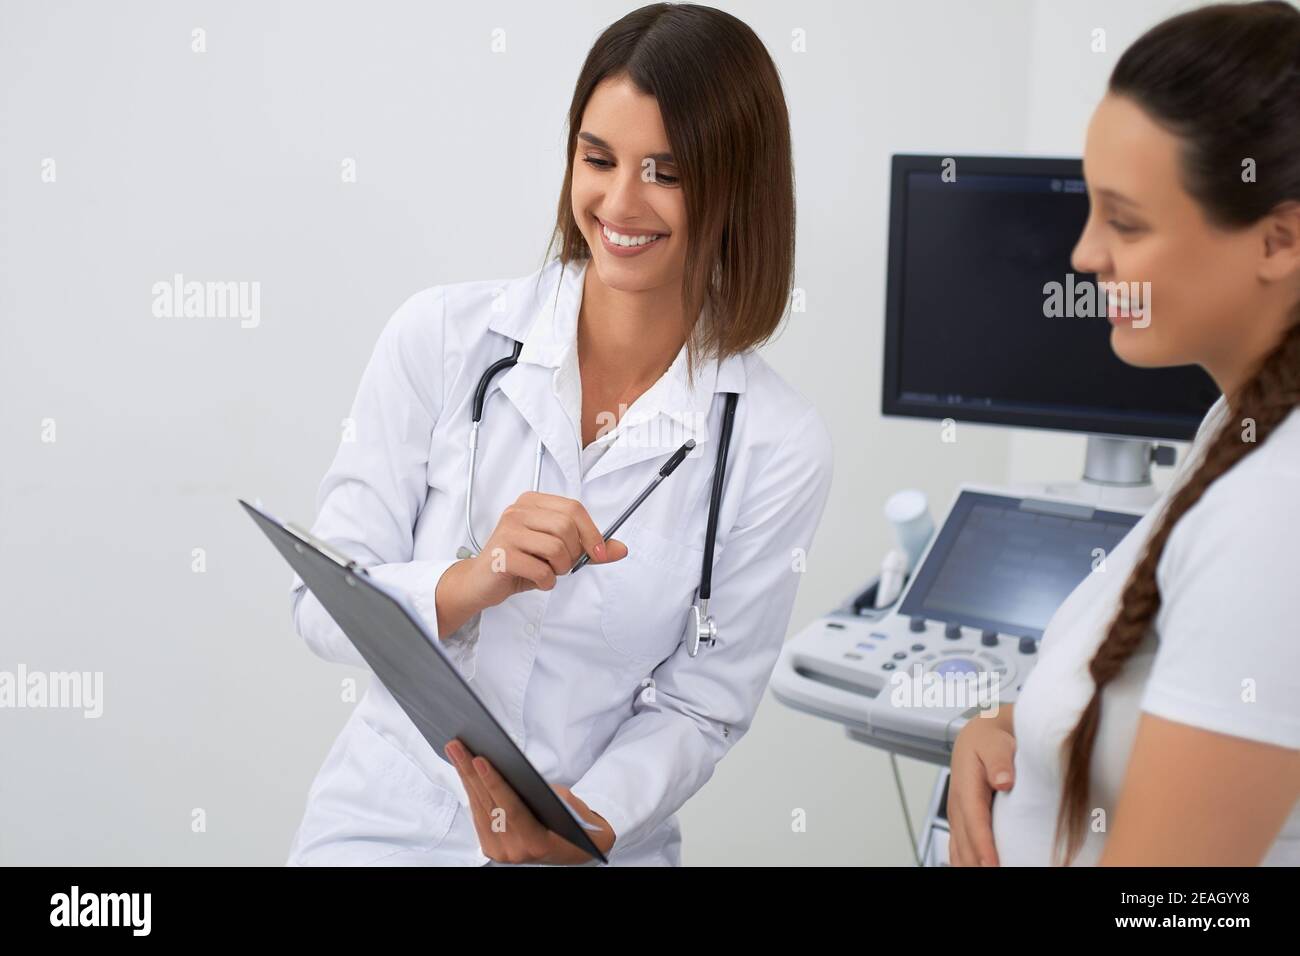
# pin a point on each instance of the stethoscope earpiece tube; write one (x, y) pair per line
(715, 498)
(485, 381)
(476, 416)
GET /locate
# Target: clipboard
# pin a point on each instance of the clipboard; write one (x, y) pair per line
(411, 663)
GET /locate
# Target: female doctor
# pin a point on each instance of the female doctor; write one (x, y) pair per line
(676, 236)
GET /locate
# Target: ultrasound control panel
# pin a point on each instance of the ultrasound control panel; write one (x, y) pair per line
(965, 633)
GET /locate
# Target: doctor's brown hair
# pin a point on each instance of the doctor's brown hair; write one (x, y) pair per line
(729, 131)
(1225, 80)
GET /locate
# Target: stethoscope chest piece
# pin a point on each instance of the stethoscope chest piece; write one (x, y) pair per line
(700, 629)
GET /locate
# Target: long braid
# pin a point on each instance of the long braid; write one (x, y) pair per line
(1266, 400)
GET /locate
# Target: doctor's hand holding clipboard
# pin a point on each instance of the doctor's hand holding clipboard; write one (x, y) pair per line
(540, 536)
(546, 408)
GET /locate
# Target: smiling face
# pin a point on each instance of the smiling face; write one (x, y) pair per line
(626, 192)
(1143, 226)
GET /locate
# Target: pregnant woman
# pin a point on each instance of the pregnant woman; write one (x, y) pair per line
(1162, 723)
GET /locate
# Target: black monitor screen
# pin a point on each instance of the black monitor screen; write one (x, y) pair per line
(967, 336)
(1006, 564)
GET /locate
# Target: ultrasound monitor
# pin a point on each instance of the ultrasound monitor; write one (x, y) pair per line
(972, 242)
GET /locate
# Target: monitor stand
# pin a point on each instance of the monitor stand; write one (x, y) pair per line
(1116, 471)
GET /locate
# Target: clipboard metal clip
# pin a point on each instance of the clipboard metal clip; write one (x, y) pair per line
(335, 555)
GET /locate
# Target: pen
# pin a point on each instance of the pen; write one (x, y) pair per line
(678, 456)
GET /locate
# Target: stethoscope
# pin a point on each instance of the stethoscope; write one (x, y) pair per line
(701, 629)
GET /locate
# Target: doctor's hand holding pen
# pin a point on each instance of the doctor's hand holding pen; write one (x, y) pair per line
(983, 761)
(538, 538)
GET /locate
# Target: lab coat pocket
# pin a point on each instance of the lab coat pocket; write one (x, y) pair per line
(645, 597)
(369, 802)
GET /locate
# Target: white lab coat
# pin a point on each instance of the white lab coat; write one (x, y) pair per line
(591, 678)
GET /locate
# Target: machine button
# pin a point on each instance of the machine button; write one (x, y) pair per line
(952, 631)
(917, 624)
(918, 647)
(835, 625)
(959, 665)
(887, 666)
(1028, 645)
(899, 655)
(862, 645)
(852, 656)
(989, 638)
(881, 635)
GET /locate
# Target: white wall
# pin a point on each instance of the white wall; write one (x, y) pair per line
(225, 165)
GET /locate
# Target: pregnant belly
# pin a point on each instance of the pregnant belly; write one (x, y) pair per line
(1022, 832)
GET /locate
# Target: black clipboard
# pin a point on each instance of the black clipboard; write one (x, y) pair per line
(411, 664)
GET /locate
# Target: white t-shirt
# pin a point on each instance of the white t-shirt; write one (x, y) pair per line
(1223, 654)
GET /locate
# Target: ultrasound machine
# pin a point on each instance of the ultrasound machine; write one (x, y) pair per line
(967, 340)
